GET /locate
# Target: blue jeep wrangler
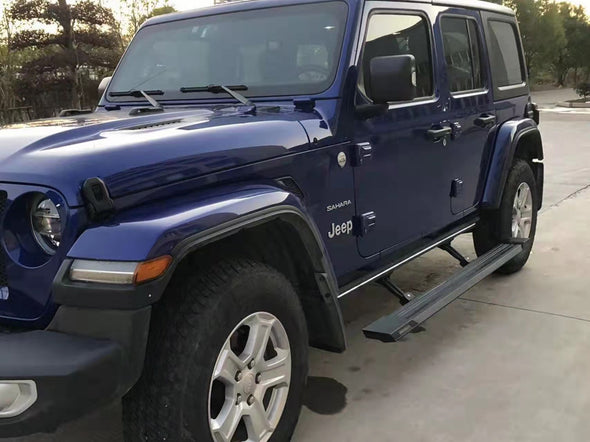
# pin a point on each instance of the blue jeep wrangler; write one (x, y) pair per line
(247, 166)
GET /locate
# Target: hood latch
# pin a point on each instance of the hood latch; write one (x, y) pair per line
(99, 203)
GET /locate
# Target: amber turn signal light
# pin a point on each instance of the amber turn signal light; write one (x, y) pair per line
(148, 270)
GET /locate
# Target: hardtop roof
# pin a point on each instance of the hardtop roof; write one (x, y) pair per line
(243, 5)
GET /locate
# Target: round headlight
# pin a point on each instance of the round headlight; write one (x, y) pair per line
(47, 225)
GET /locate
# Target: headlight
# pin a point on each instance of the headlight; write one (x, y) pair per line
(47, 225)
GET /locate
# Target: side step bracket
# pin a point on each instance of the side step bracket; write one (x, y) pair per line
(447, 247)
(404, 297)
(395, 326)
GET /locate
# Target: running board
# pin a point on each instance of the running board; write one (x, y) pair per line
(427, 245)
(395, 326)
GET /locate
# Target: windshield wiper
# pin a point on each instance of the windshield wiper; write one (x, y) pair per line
(218, 88)
(156, 107)
(136, 93)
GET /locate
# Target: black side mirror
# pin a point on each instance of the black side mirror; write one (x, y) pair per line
(392, 78)
(103, 86)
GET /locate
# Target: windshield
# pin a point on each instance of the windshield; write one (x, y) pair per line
(288, 50)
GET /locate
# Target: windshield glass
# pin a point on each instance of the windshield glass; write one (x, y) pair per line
(288, 50)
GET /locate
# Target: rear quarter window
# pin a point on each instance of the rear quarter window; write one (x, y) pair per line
(509, 77)
(505, 55)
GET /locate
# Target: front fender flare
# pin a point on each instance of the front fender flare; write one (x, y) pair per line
(182, 226)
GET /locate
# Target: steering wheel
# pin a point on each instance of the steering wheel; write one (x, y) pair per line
(312, 73)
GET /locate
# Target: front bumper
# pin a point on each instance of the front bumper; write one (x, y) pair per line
(85, 359)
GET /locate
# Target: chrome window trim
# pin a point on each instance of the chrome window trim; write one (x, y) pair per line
(473, 93)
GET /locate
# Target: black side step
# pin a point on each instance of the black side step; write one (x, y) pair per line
(399, 323)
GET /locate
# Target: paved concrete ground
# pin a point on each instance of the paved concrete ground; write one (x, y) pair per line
(507, 362)
(552, 97)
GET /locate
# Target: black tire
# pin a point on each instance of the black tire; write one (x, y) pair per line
(189, 327)
(497, 224)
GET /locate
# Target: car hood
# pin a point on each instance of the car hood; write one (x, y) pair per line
(137, 153)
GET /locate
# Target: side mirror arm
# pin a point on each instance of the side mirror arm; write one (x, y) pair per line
(366, 111)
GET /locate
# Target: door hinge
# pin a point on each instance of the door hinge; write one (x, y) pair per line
(364, 224)
(361, 152)
(456, 188)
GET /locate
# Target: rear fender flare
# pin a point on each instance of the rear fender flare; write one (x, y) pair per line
(507, 139)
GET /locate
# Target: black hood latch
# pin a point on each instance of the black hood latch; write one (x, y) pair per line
(99, 203)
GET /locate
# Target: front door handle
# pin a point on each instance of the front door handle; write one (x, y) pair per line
(485, 120)
(439, 133)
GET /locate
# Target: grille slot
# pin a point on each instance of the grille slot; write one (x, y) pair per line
(153, 125)
(3, 276)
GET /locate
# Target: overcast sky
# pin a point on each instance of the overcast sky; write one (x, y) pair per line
(190, 4)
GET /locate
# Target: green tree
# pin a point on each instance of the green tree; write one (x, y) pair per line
(72, 44)
(138, 11)
(543, 32)
(167, 9)
(7, 70)
(576, 53)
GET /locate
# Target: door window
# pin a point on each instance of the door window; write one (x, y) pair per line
(399, 34)
(462, 54)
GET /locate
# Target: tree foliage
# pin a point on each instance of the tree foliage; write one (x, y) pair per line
(575, 54)
(138, 11)
(71, 45)
(583, 90)
(556, 37)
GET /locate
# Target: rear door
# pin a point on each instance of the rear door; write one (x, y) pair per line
(471, 111)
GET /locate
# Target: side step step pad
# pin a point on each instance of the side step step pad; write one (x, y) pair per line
(395, 326)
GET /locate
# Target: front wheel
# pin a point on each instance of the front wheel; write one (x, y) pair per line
(515, 218)
(226, 361)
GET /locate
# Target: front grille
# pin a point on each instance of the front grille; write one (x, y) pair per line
(3, 277)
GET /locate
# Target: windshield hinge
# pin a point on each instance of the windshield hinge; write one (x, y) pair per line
(305, 104)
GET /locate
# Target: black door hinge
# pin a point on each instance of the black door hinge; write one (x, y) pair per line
(456, 188)
(361, 153)
(364, 224)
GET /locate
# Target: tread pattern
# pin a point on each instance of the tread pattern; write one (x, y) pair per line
(188, 314)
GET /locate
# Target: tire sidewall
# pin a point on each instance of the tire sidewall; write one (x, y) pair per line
(260, 290)
(520, 173)
(495, 226)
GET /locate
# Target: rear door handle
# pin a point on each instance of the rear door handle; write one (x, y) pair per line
(439, 133)
(485, 121)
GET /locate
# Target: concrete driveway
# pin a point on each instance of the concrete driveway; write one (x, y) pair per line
(551, 97)
(506, 362)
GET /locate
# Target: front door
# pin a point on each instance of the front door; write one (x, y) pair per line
(402, 180)
(470, 107)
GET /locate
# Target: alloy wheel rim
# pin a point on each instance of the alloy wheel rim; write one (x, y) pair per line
(250, 382)
(522, 212)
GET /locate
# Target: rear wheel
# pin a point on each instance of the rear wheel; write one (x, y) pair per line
(515, 218)
(226, 361)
